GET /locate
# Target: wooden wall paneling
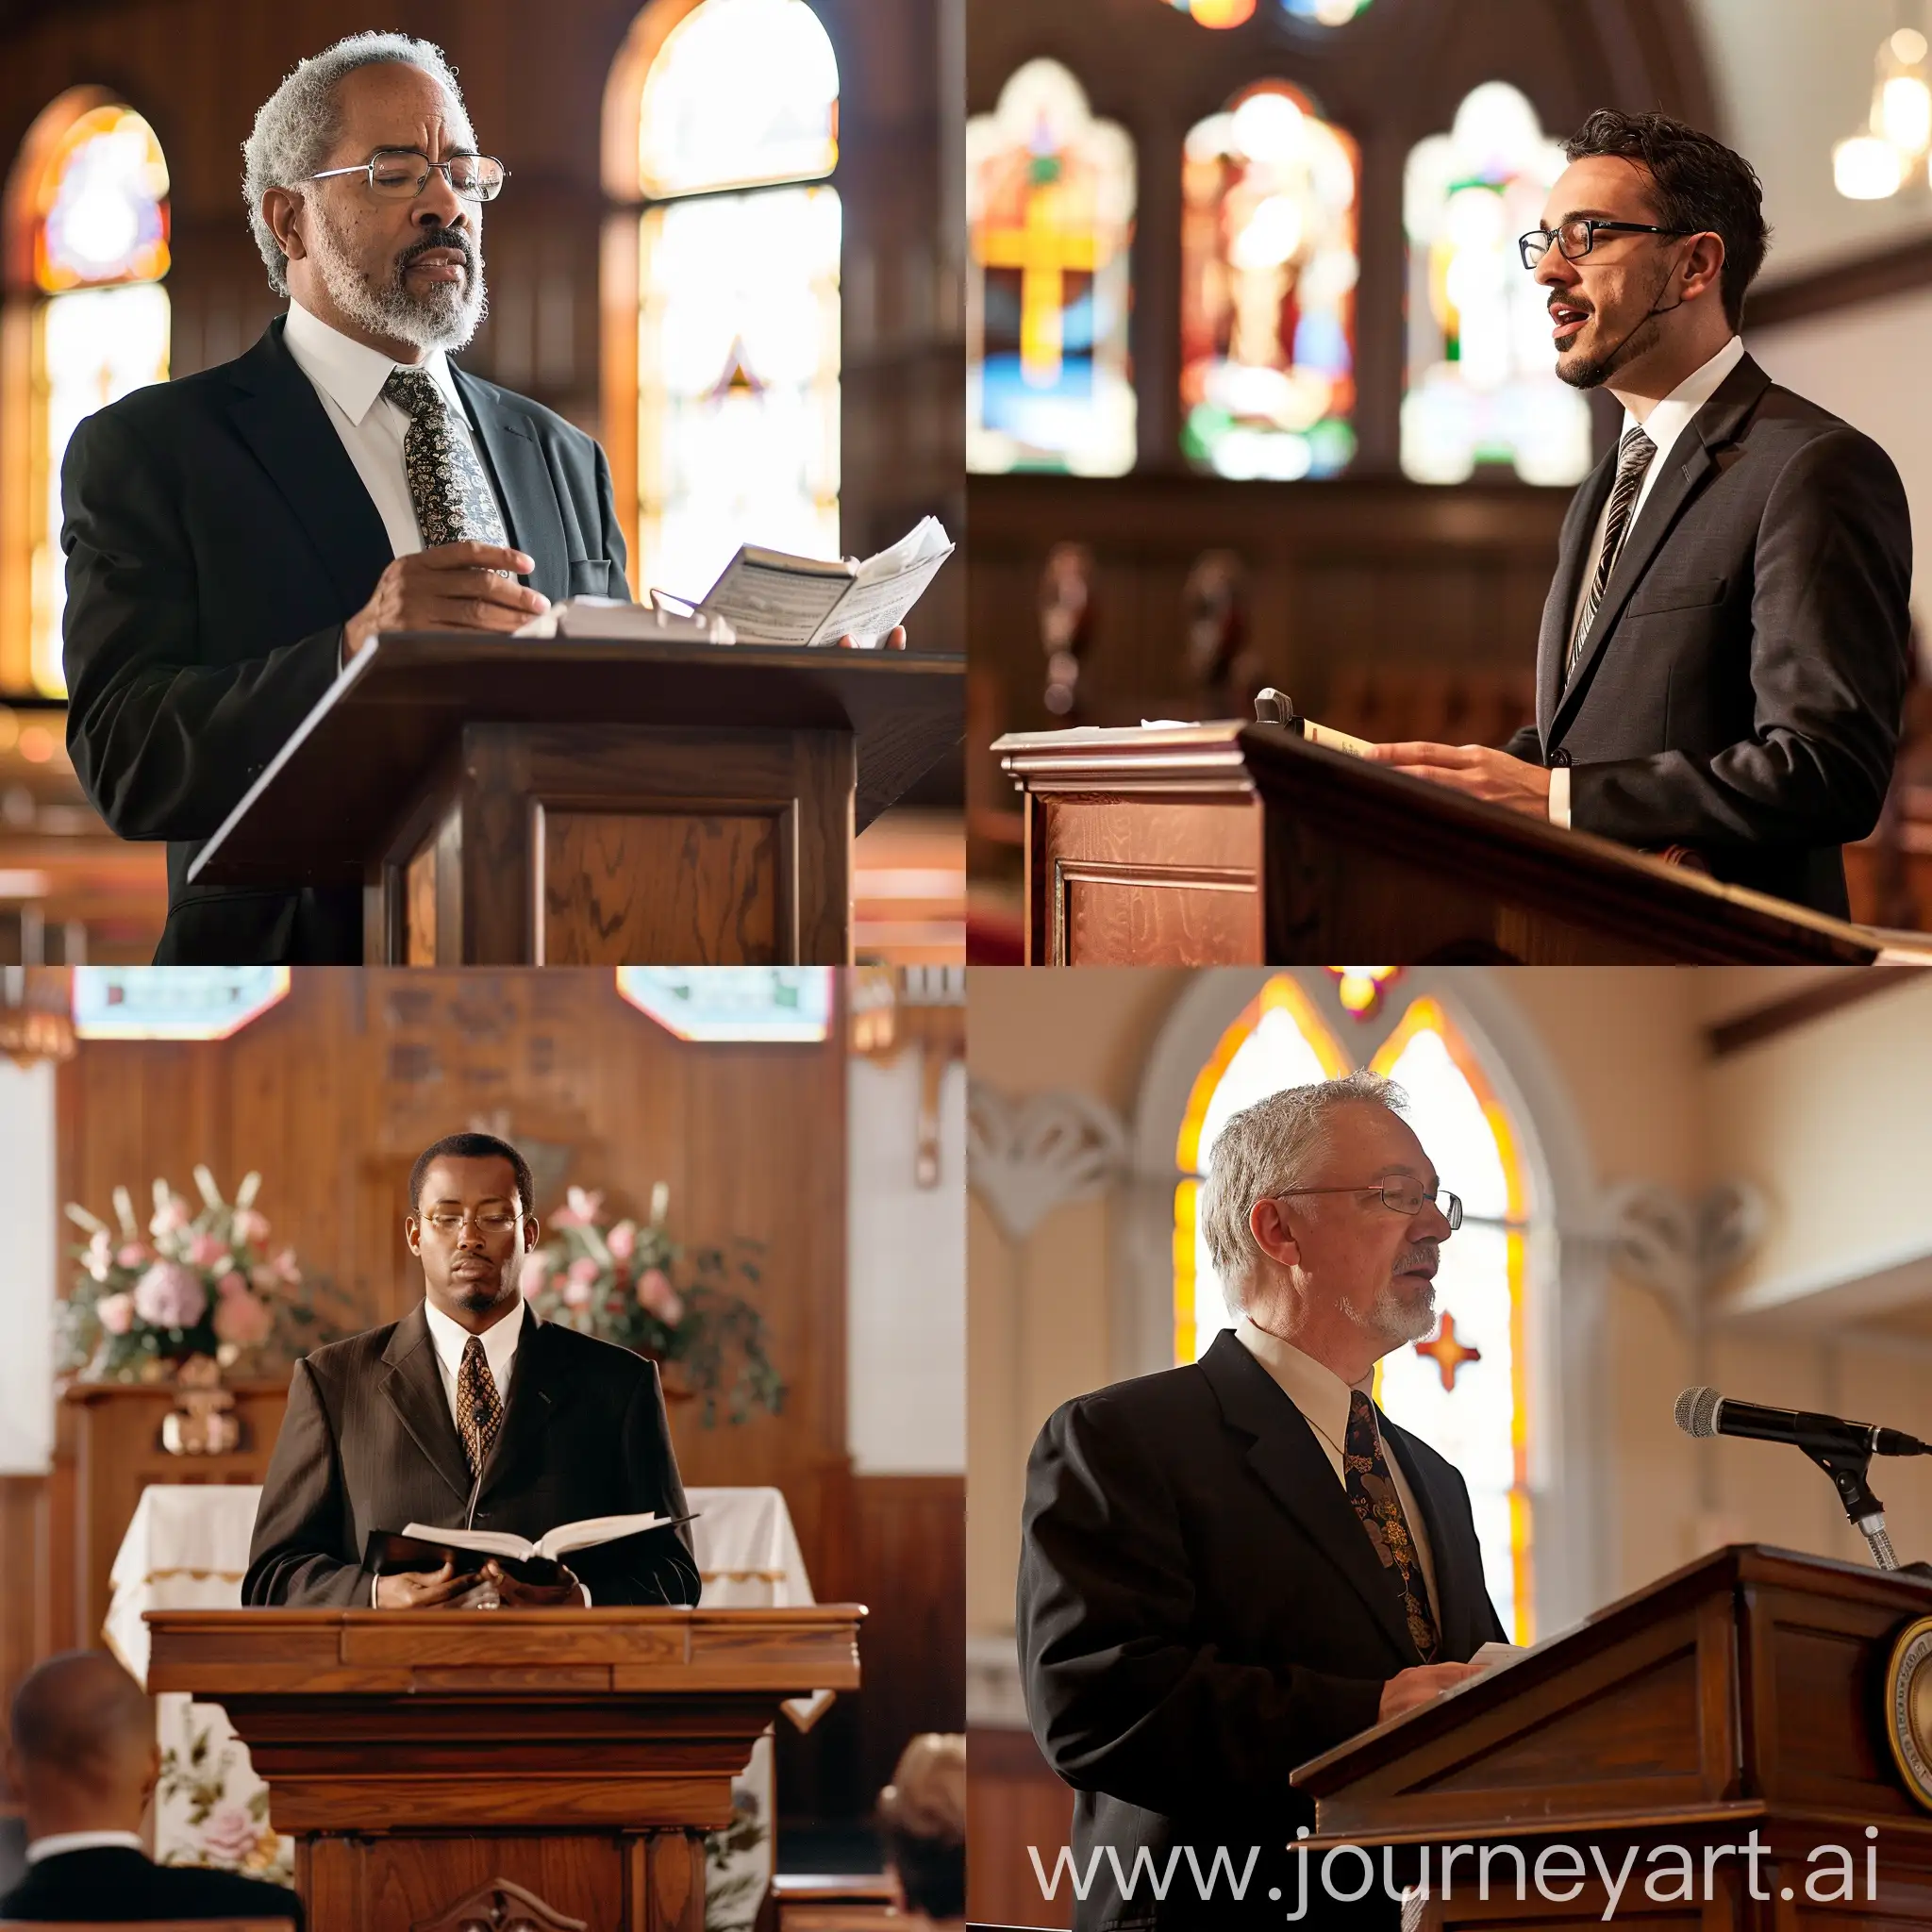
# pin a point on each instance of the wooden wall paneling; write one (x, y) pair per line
(26, 1607)
(1014, 1800)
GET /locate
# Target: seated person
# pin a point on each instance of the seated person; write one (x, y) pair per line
(923, 1818)
(83, 1759)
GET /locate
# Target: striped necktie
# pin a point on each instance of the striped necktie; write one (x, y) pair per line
(1633, 460)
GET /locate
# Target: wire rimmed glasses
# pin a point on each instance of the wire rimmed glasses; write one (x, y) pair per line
(401, 173)
(1399, 1193)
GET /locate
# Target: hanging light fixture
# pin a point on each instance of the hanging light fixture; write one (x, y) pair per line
(1876, 166)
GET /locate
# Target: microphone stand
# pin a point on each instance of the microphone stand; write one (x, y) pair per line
(1865, 1511)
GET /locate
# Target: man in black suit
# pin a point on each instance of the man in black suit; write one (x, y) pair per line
(1725, 650)
(469, 1411)
(1230, 1567)
(83, 1758)
(233, 539)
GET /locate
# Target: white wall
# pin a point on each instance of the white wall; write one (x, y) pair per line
(905, 1276)
(27, 1283)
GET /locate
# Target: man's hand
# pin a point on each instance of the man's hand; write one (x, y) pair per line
(454, 587)
(1419, 1684)
(418, 1590)
(894, 641)
(1474, 768)
(518, 1595)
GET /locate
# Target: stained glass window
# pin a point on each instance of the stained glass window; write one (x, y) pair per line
(738, 295)
(1050, 214)
(1482, 386)
(1268, 276)
(1325, 12)
(1461, 1390)
(98, 208)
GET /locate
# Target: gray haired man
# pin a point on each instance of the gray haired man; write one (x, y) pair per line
(1231, 1566)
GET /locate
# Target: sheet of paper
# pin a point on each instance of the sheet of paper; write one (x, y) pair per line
(769, 604)
(925, 541)
(870, 608)
(1492, 1656)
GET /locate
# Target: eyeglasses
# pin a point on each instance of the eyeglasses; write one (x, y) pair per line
(1402, 1196)
(401, 173)
(490, 1219)
(1578, 237)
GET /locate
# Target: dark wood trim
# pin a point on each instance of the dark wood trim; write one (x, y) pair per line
(1797, 1009)
(1894, 269)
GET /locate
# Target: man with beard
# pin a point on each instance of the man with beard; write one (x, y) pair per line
(1725, 649)
(469, 1411)
(235, 538)
(1227, 1568)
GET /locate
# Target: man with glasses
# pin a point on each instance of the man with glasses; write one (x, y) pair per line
(1725, 653)
(1229, 1567)
(469, 1412)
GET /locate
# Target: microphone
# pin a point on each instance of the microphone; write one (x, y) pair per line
(1704, 1412)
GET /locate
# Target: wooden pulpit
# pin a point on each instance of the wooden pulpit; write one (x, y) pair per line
(439, 1769)
(507, 801)
(1241, 844)
(1745, 1692)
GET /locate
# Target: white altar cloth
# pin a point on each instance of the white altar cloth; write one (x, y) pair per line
(187, 1548)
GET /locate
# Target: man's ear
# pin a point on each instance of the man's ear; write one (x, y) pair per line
(532, 1233)
(1272, 1235)
(1704, 267)
(412, 1233)
(278, 209)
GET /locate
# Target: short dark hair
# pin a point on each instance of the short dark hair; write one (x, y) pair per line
(932, 1873)
(474, 1147)
(1698, 185)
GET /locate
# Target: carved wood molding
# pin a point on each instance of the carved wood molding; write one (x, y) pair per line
(1026, 1156)
(501, 1906)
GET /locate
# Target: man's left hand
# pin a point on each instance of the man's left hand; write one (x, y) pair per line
(1475, 770)
(894, 640)
(519, 1595)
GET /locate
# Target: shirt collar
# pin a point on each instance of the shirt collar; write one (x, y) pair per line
(1314, 1388)
(349, 372)
(1673, 415)
(499, 1341)
(60, 1843)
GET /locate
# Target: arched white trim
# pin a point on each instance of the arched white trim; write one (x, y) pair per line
(1570, 1481)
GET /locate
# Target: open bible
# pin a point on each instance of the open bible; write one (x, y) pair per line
(422, 1547)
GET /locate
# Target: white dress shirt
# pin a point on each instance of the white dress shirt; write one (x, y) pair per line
(1666, 422)
(348, 376)
(1322, 1398)
(57, 1844)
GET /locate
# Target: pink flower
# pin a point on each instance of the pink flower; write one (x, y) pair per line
(170, 1296)
(170, 1217)
(115, 1314)
(536, 1278)
(577, 1295)
(229, 1833)
(244, 1320)
(581, 1210)
(233, 1282)
(622, 1239)
(202, 1250)
(656, 1294)
(584, 1269)
(135, 1255)
(287, 1267)
(249, 1226)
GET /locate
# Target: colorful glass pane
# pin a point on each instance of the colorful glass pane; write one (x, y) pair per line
(1050, 212)
(1216, 14)
(91, 347)
(1268, 276)
(101, 204)
(1482, 386)
(741, 92)
(737, 382)
(1325, 12)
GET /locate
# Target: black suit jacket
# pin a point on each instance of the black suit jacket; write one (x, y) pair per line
(115, 1885)
(217, 538)
(368, 1443)
(1742, 687)
(1200, 1610)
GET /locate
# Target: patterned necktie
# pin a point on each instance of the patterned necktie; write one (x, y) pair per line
(1633, 460)
(479, 1409)
(452, 495)
(1365, 1473)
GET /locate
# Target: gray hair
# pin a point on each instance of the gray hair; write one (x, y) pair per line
(299, 123)
(1265, 1150)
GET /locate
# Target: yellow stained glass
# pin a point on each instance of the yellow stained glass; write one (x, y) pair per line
(101, 204)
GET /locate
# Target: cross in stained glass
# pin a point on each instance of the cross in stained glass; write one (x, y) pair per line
(1045, 251)
(1447, 1353)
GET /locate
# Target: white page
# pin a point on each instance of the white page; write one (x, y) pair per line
(554, 1543)
(769, 599)
(870, 610)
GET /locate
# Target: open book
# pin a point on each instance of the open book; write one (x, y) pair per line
(611, 617)
(770, 598)
(422, 1547)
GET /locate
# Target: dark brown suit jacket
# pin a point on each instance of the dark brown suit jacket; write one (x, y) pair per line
(1742, 687)
(368, 1443)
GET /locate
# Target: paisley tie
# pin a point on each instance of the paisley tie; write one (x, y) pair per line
(1372, 1491)
(479, 1409)
(453, 499)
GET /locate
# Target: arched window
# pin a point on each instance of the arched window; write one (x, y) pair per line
(87, 320)
(1481, 387)
(1463, 1388)
(722, 409)
(1050, 216)
(1269, 266)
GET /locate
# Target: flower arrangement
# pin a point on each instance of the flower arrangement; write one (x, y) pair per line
(193, 1283)
(628, 1282)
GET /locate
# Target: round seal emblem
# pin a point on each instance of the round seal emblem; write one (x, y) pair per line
(1908, 1707)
